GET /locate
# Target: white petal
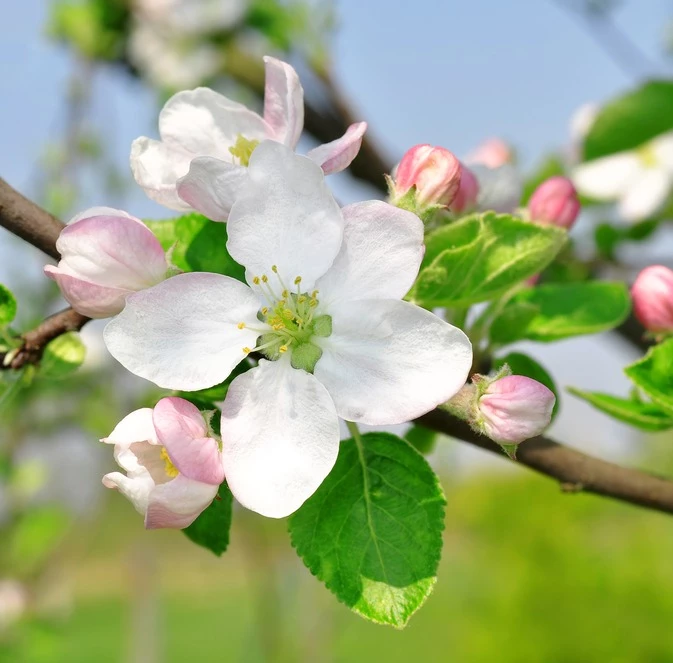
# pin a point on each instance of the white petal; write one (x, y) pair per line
(137, 490)
(388, 361)
(380, 256)
(178, 503)
(157, 167)
(211, 186)
(99, 211)
(280, 437)
(207, 124)
(607, 177)
(645, 195)
(500, 188)
(183, 333)
(134, 427)
(285, 216)
(283, 102)
(336, 156)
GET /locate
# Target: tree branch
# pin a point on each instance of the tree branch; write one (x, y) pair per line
(28, 221)
(576, 471)
(35, 341)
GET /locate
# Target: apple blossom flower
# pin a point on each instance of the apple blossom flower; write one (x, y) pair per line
(555, 202)
(652, 294)
(105, 255)
(580, 124)
(467, 194)
(207, 140)
(173, 466)
(491, 153)
(433, 171)
(639, 180)
(323, 305)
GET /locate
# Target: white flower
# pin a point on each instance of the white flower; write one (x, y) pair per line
(323, 305)
(500, 188)
(173, 468)
(207, 140)
(640, 180)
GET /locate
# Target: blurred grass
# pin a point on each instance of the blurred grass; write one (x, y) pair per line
(528, 574)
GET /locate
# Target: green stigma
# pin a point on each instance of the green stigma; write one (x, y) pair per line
(243, 149)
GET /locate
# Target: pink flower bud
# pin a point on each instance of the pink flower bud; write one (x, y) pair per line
(468, 191)
(515, 408)
(434, 171)
(173, 467)
(492, 153)
(105, 256)
(652, 295)
(555, 201)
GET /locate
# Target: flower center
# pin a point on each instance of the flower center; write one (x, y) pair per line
(647, 156)
(293, 321)
(243, 148)
(170, 469)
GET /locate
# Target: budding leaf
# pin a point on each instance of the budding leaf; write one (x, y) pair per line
(522, 364)
(62, 356)
(563, 310)
(631, 120)
(372, 532)
(7, 306)
(482, 256)
(211, 528)
(197, 244)
(654, 374)
(646, 416)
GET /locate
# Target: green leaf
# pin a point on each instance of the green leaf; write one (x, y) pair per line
(631, 120)
(211, 528)
(372, 532)
(7, 306)
(522, 364)
(199, 245)
(62, 356)
(654, 374)
(507, 325)
(422, 439)
(567, 309)
(482, 256)
(646, 416)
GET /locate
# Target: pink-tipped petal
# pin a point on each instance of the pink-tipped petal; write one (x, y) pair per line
(178, 503)
(182, 430)
(283, 102)
(652, 294)
(336, 156)
(94, 301)
(99, 211)
(555, 201)
(134, 427)
(211, 186)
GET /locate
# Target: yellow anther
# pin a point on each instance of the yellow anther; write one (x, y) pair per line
(301, 299)
(287, 313)
(285, 293)
(281, 303)
(282, 348)
(274, 268)
(241, 325)
(313, 303)
(247, 350)
(297, 281)
(256, 280)
(314, 294)
(278, 326)
(170, 469)
(300, 321)
(265, 278)
(265, 310)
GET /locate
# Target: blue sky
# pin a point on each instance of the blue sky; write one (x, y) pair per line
(437, 71)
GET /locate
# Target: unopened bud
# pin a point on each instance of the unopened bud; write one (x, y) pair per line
(652, 295)
(507, 408)
(492, 153)
(465, 199)
(433, 171)
(555, 202)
